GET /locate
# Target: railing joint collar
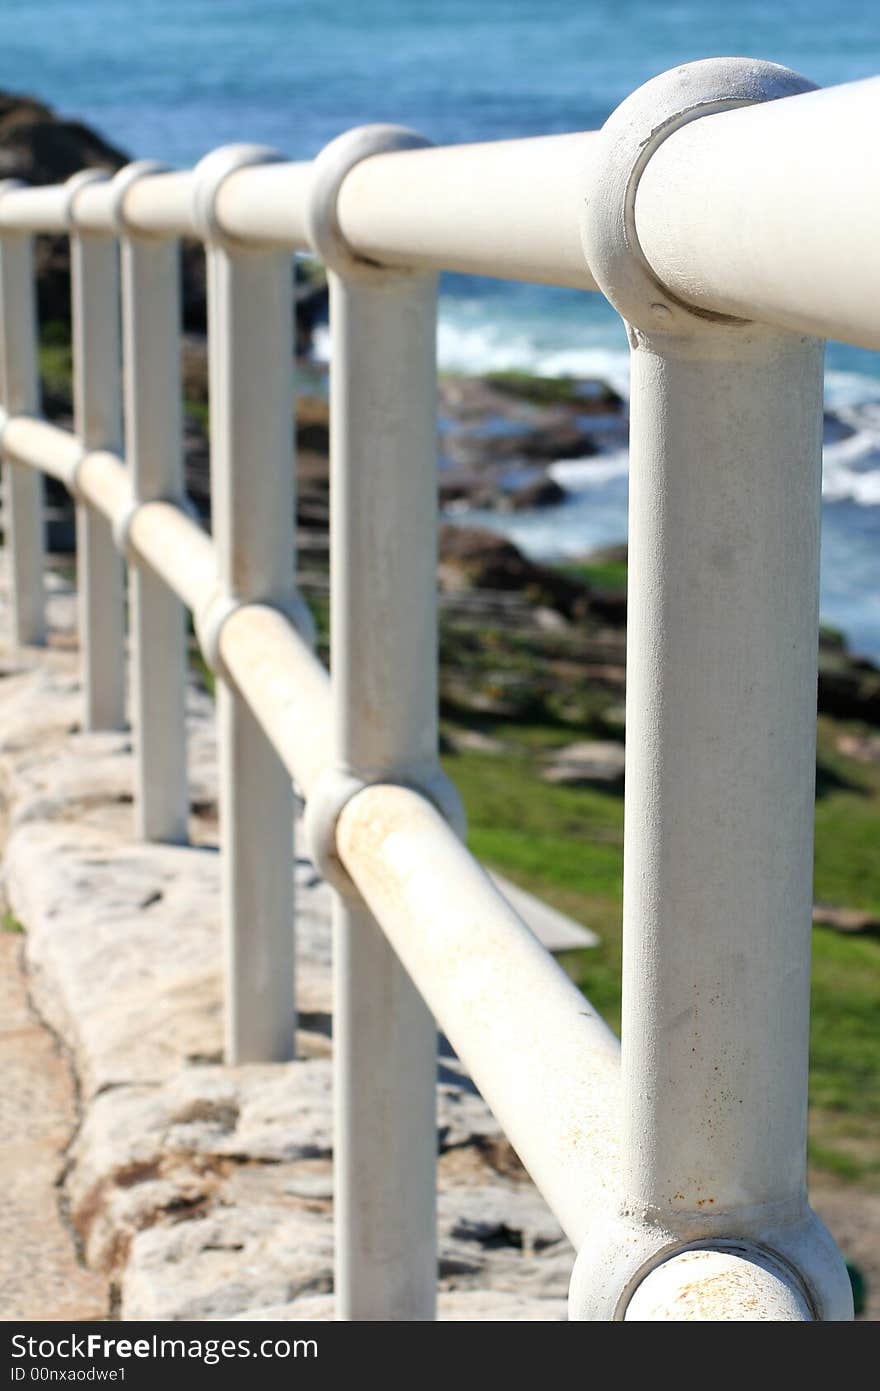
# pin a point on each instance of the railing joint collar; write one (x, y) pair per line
(213, 171)
(124, 521)
(338, 785)
(330, 170)
(222, 605)
(74, 184)
(627, 142)
(125, 179)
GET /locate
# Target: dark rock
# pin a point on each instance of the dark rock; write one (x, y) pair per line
(194, 367)
(465, 489)
(610, 605)
(40, 147)
(834, 429)
(565, 440)
(545, 441)
(497, 421)
(193, 287)
(311, 298)
(313, 424)
(471, 558)
(540, 492)
(197, 467)
(849, 687)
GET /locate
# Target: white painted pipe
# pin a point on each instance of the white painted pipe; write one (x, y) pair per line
(44, 447)
(544, 1060)
(93, 212)
(509, 209)
(151, 329)
(177, 550)
(154, 205)
(251, 398)
(41, 209)
(766, 213)
(284, 684)
(725, 493)
(757, 237)
(725, 462)
(265, 205)
(160, 205)
(20, 386)
(97, 409)
(387, 211)
(384, 660)
(103, 480)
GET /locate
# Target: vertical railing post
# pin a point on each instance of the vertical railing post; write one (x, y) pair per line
(23, 487)
(250, 320)
(153, 450)
(725, 472)
(383, 460)
(97, 413)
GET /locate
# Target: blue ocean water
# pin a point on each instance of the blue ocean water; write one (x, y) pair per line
(175, 78)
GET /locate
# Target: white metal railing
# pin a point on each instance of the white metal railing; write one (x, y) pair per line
(703, 211)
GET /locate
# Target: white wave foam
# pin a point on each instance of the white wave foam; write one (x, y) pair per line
(489, 346)
(850, 389)
(840, 484)
(578, 475)
(474, 344)
(321, 343)
(844, 475)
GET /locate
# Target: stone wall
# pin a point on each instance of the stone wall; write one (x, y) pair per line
(204, 1191)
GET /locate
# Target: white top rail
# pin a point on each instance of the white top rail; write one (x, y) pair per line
(763, 212)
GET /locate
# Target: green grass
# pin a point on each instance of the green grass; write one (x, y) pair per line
(200, 412)
(56, 359)
(9, 923)
(847, 825)
(203, 672)
(549, 391)
(598, 574)
(541, 391)
(566, 846)
(56, 370)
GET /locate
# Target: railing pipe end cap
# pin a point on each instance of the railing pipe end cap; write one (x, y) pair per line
(782, 1246)
(707, 1285)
